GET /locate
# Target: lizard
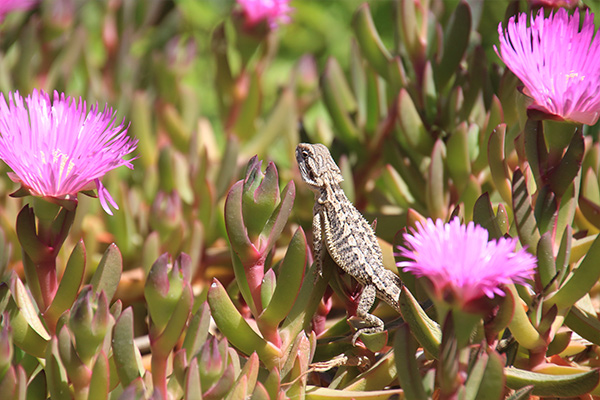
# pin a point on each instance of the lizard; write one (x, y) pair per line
(341, 230)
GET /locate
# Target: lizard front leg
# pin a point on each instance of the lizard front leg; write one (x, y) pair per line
(318, 240)
(371, 324)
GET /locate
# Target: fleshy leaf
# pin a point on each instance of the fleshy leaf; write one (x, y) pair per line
(108, 273)
(581, 280)
(497, 161)
(553, 385)
(370, 43)
(125, 353)
(483, 215)
(236, 329)
(436, 195)
(486, 378)
(410, 379)
(427, 332)
(523, 212)
(70, 282)
(291, 274)
(456, 39)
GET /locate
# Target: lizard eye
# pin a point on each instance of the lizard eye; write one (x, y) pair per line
(304, 154)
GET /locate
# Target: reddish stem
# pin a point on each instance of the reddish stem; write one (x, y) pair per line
(254, 276)
(46, 273)
(159, 372)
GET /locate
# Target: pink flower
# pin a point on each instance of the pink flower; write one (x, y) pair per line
(57, 148)
(460, 262)
(7, 6)
(557, 62)
(554, 3)
(273, 12)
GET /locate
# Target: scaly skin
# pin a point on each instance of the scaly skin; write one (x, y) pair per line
(341, 230)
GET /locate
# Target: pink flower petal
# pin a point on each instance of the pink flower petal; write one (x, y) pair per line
(556, 61)
(57, 148)
(274, 12)
(460, 258)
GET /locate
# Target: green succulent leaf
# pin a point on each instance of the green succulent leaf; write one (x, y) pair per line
(227, 167)
(562, 175)
(497, 162)
(168, 337)
(553, 385)
(125, 354)
(223, 386)
(234, 219)
(291, 274)
(583, 323)
(320, 393)
(192, 387)
(581, 280)
(70, 282)
(27, 234)
(245, 126)
(370, 43)
(99, 384)
(427, 332)
(378, 377)
(408, 23)
(535, 150)
(409, 376)
(411, 128)
(590, 210)
(281, 123)
(236, 329)
(523, 212)
(260, 196)
(436, 196)
(545, 259)
(458, 160)
(483, 215)
(279, 217)
(56, 374)
(522, 394)
(456, 39)
(108, 273)
(546, 210)
(486, 378)
(559, 343)
(340, 101)
(197, 331)
(520, 325)
(28, 332)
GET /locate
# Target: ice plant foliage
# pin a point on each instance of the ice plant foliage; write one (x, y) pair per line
(557, 62)
(57, 148)
(273, 12)
(459, 260)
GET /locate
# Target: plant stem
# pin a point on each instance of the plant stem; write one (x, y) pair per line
(159, 372)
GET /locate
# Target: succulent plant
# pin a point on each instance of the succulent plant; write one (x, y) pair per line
(466, 130)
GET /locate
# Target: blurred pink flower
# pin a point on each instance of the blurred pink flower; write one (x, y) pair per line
(554, 3)
(7, 6)
(57, 148)
(557, 62)
(460, 262)
(273, 12)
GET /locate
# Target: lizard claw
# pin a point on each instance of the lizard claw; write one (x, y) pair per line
(356, 336)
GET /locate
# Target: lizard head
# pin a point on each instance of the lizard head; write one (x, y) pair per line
(317, 166)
